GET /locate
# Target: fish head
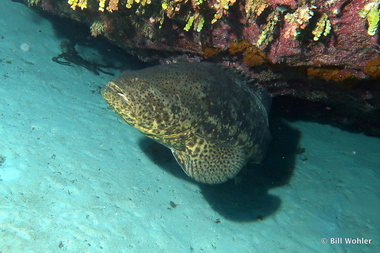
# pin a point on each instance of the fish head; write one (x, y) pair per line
(146, 102)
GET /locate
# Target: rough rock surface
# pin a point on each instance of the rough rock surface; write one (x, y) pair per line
(324, 52)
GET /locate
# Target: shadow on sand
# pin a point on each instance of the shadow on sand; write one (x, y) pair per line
(249, 200)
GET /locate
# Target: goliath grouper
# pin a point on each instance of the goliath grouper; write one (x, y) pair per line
(212, 121)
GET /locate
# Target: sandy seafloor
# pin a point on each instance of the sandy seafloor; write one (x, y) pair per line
(75, 178)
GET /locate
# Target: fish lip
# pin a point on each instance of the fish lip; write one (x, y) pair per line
(114, 87)
(110, 87)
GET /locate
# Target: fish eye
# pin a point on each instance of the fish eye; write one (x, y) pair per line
(144, 85)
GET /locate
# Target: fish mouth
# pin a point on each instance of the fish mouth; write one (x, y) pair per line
(113, 88)
(119, 102)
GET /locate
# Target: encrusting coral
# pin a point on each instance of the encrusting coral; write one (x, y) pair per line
(323, 27)
(298, 20)
(371, 12)
(82, 4)
(333, 40)
(195, 14)
(280, 29)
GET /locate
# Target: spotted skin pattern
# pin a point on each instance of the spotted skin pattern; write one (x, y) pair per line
(212, 121)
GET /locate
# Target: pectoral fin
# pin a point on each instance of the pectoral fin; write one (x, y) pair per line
(210, 163)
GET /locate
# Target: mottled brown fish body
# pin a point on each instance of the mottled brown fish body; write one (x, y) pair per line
(207, 115)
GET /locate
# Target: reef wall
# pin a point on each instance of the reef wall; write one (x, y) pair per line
(321, 51)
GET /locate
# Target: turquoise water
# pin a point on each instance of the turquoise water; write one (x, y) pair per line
(75, 178)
